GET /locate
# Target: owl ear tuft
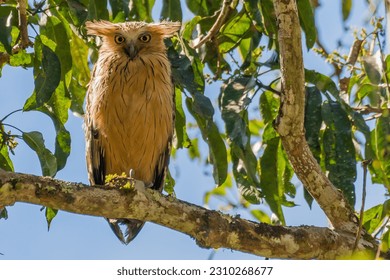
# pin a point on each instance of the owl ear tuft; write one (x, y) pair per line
(100, 28)
(169, 28)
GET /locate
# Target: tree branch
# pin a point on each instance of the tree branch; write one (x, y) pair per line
(209, 228)
(225, 10)
(290, 122)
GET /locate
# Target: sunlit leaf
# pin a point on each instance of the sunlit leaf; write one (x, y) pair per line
(50, 214)
(306, 18)
(203, 7)
(48, 161)
(346, 8)
(373, 218)
(380, 143)
(181, 140)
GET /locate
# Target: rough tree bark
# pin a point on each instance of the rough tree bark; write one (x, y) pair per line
(212, 228)
(209, 228)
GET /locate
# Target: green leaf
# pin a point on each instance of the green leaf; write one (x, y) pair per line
(272, 187)
(217, 149)
(97, 9)
(169, 183)
(48, 161)
(171, 10)
(313, 120)
(373, 218)
(181, 138)
(269, 106)
(3, 213)
(322, 82)
(119, 6)
(236, 29)
(141, 9)
(6, 15)
(22, 58)
(306, 18)
(219, 191)
(77, 11)
(339, 150)
(380, 143)
(346, 8)
(233, 103)
(269, 18)
(5, 161)
(50, 214)
(202, 106)
(185, 74)
(204, 7)
(56, 30)
(49, 77)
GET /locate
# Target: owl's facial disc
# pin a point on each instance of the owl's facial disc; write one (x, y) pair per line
(131, 50)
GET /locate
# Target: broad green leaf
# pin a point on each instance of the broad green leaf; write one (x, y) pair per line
(169, 183)
(346, 6)
(119, 6)
(5, 161)
(97, 9)
(217, 149)
(313, 120)
(306, 18)
(252, 7)
(373, 218)
(6, 15)
(236, 29)
(233, 103)
(380, 143)
(339, 150)
(322, 82)
(50, 214)
(34, 140)
(181, 138)
(271, 186)
(367, 89)
(202, 106)
(189, 28)
(77, 11)
(269, 106)
(56, 30)
(3, 213)
(171, 10)
(141, 9)
(22, 58)
(204, 7)
(185, 74)
(269, 20)
(49, 77)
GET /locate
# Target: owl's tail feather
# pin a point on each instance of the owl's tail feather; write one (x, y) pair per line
(131, 228)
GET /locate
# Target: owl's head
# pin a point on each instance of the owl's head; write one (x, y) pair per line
(132, 39)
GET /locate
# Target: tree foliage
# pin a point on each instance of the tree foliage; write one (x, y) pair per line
(232, 44)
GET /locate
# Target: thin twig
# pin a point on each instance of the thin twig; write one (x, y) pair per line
(24, 40)
(367, 109)
(360, 229)
(225, 10)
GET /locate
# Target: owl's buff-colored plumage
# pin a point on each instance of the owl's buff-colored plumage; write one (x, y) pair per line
(130, 106)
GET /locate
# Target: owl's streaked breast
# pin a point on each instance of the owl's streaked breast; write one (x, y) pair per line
(132, 107)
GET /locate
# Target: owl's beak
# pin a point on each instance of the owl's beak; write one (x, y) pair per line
(131, 51)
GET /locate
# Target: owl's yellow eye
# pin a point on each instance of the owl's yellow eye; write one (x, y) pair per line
(145, 38)
(119, 39)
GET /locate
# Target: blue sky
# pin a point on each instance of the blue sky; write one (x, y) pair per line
(24, 235)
